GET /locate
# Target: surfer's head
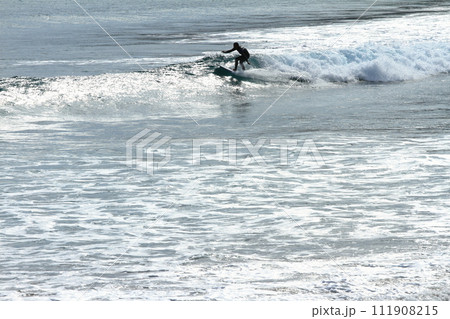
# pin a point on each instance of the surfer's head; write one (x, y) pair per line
(235, 45)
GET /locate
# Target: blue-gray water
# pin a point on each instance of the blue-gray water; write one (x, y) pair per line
(364, 216)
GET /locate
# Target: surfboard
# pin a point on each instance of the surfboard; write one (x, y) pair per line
(225, 69)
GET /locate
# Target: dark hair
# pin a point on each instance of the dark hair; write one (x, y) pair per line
(235, 44)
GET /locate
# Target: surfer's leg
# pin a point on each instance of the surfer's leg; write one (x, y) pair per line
(236, 64)
(241, 60)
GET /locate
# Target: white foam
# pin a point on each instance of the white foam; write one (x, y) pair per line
(370, 62)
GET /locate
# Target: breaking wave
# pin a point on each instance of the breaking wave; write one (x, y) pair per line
(199, 81)
(371, 63)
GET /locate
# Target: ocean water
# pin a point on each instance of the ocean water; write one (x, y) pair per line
(354, 206)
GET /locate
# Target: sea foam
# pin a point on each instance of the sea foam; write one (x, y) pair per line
(370, 62)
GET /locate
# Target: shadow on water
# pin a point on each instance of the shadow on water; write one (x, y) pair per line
(241, 109)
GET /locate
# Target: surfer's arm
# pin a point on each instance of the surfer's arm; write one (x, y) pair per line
(228, 51)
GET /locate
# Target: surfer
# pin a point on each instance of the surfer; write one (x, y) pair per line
(244, 55)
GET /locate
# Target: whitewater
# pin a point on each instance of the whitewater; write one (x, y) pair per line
(356, 207)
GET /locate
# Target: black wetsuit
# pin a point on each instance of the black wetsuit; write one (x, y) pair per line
(244, 54)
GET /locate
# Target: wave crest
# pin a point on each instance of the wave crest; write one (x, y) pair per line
(372, 63)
